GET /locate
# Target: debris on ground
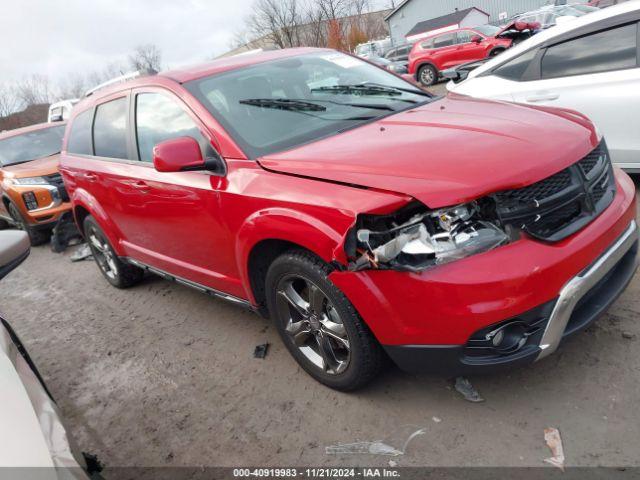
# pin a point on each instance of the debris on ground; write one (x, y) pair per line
(464, 387)
(554, 442)
(436, 419)
(261, 350)
(393, 464)
(373, 448)
(83, 252)
(65, 233)
(628, 335)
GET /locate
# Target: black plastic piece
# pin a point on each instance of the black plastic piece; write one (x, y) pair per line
(261, 350)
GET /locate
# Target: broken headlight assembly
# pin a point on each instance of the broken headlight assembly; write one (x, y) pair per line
(415, 239)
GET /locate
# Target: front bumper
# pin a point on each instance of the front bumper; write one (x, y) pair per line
(437, 312)
(580, 303)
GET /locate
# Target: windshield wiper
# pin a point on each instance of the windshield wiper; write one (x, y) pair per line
(284, 104)
(401, 89)
(360, 89)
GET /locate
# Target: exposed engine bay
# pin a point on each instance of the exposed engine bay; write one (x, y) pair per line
(415, 239)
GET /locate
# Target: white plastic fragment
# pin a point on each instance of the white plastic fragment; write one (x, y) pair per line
(436, 419)
(467, 390)
(554, 442)
(373, 448)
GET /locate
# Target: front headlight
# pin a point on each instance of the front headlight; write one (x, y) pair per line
(30, 181)
(416, 239)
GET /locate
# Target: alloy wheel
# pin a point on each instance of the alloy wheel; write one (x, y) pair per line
(426, 76)
(313, 324)
(103, 254)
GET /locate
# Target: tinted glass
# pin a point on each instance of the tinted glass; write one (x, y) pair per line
(110, 129)
(277, 105)
(80, 137)
(31, 145)
(158, 118)
(515, 68)
(610, 50)
(444, 40)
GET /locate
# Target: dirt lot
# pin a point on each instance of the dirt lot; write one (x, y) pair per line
(163, 375)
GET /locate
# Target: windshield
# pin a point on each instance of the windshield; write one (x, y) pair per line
(278, 105)
(31, 145)
(487, 30)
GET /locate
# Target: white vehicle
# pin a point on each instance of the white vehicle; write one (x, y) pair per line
(60, 111)
(591, 65)
(376, 48)
(31, 432)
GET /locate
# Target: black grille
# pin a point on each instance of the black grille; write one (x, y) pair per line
(560, 205)
(56, 180)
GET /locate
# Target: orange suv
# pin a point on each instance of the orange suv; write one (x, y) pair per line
(31, 188)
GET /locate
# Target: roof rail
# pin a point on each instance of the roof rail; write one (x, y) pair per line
(121, 79)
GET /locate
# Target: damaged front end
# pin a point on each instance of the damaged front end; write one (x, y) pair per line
(415, 238)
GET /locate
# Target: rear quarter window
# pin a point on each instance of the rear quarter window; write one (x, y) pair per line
(79, 141)
(514, 69)
(110, 129)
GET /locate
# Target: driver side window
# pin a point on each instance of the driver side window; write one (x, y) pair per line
(159, 118)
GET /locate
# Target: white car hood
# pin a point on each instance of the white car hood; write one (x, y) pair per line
(31, 433)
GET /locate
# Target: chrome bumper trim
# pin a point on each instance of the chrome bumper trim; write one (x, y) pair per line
(579, 285)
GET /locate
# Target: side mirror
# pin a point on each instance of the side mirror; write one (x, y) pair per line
(14, 248)
(476, 39)
(183, 154)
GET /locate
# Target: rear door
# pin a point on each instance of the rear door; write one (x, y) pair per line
(444, 51)
(599, 75)
(171, 221)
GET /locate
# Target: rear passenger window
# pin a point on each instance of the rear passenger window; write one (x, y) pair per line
(158, 118)
(79, 142)
(614, 49)
(444, 40)
(110, 129)
(514, 69)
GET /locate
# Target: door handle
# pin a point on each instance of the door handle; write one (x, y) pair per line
(543, 97)
(91, 177)
(141, 186)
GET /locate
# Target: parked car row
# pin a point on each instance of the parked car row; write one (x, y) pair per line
(591, 65)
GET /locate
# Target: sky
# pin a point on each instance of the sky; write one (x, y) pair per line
(59, 38)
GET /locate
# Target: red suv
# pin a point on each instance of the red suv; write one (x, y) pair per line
(361, 214)
(434, 54)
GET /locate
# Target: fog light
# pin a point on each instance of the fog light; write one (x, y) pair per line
(510, 338)
(497, 338)
(30, 200)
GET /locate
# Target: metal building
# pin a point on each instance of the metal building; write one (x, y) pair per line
(410, 12)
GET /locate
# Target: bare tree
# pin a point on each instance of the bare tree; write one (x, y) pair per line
(146, 57)
(8, 100)
(33, 90)
(277, 21)
(74, 86)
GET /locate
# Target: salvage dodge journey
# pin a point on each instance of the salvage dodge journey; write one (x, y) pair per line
(366, 217)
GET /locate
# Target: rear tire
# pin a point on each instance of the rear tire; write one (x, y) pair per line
(427, 75)
(318, 325)
(36, 237)
(118, 273)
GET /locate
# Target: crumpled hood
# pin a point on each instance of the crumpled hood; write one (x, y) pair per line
(451, 151)
(34, 168)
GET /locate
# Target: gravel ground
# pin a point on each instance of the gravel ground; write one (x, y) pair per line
(163, 375)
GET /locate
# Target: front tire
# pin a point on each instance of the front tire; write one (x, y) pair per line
(427, 75)
(118, 273)
(36, 237)
(318, 324)
(496, 52)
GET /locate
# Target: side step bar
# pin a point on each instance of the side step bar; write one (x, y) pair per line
(188, 283)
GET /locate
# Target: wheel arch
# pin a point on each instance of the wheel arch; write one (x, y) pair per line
(84, 204)
(268, 234)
